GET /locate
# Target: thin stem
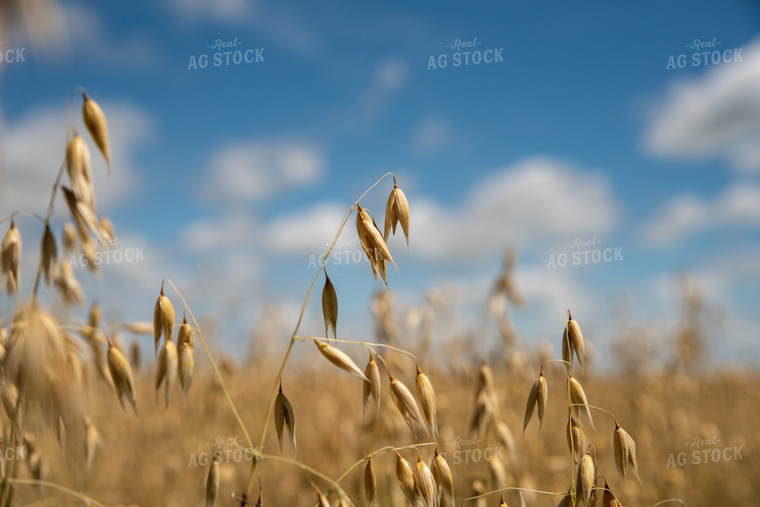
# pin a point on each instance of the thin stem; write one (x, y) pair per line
(668, 501)
(59, 487)
(596, 408)
(23, 213)
(378, 452)
(514, 488)
(307, 468)
(292, 340)
(213, 364)
(358, 342)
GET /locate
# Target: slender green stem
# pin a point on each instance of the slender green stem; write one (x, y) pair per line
(59, 487)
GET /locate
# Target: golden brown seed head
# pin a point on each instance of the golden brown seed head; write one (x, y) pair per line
(95, 120)
(166, 369)
(49, 257)
(285, 417)
(442, 475)
(579, 400)
(69, 238)
(502, 502)
(584, 482)
(426, 396)
(405, 477)
(370, 483)
(624, 450)
(11, 258)
(397, 211)
(371, 387)
(424, 481)
(330, 307)
(538, 396)
(404, 401)
(121, 375)
(163, 319)
(576, 438)
(79, 168)
(212, 482)
(339, 359)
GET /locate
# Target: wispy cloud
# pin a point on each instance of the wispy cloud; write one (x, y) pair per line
(715, 115)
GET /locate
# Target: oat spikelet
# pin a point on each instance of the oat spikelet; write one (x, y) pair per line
(425, 483)
(502, 502)
(321, 498)
(185, 344)
(576, 438)
(371, 387)
(284, 416)
(567, 501)
(11, 258)
(69, 238)
(370, 483)
(49, 256)
(163, 319)
(426, 396)
(212, 482)
(397, 211)
(442, 475)
(572, 341)
(539, 396)
(92, 441)
(83, 215)
(339, 359)
(10, 400)
(166, 369)
(405, 477)
(624, 450)
(579, 400)
(68, 285)
(608, 498)
(372, 243)
(330, 307)
(404, 401)
(584, 482)
(95, 120)
(121, 374)
(79, 168)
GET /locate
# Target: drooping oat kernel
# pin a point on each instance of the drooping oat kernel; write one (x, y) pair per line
(95, 120)
(284, 417)
(330, 307)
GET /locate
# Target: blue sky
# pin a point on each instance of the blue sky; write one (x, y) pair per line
(231, 177)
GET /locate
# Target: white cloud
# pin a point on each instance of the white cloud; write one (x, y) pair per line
(534, 199)
(257, 171)
(687, 215)
(717, 114)
(222, 10)
(89, 37)
(34, 149)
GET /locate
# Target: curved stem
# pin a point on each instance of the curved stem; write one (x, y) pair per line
(668, 501)
(357, 342)
(514, 488)
(292, 340)
(59, 487)
(307, 468)
(387, 448)
(213, 364)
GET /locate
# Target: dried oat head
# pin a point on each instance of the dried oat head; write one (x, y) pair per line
(163, 319)
(121, 374)
(608, 498)
(576, 438)
(186, 362)
(567, 501)
(68, 285)
(572, 341)
(166, 369)
(92, 441)
(405, 403)
(79, 168)
(371, 387)
(69, 238)
(339, 359)
(11, 259)
(426, 395)
(49, 256)
(372, 243)
(442, 475)
(397, 211)
(579, 400)
(502, 502)
(539, 396)
(624, 450)
(212, 482)
(586, 478)
(321, 498)
(405, 478)
(284, 416)
(95, 120)
(424, 482)
(370, 483)
(330, 307)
